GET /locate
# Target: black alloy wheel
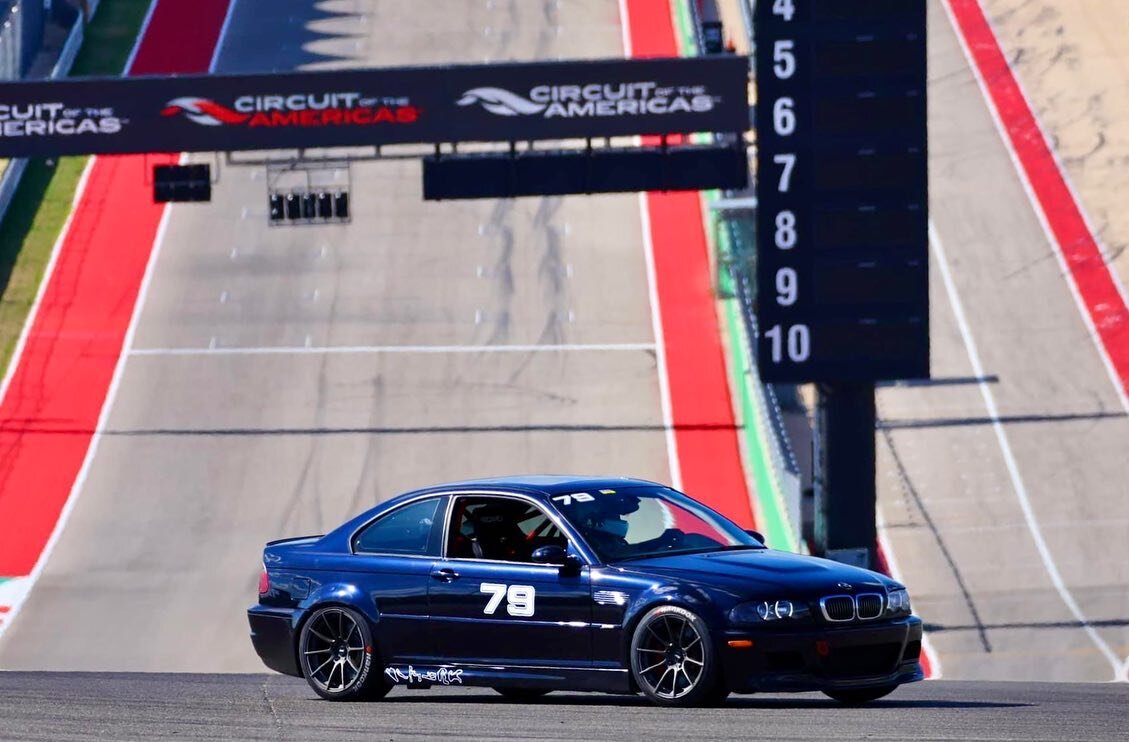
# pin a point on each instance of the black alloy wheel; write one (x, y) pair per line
(336, 656)
(673, 659)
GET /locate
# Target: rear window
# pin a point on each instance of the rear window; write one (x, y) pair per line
(409, 529)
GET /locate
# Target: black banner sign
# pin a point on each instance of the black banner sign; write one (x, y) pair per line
(418, 105)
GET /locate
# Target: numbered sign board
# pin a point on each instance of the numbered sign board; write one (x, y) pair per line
(842, 187)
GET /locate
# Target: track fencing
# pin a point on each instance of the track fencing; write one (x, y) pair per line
(22, 34)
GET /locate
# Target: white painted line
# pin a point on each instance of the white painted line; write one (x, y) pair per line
(309, 342)
(26, 585)
(223, 298)
(480, 272)
(234, 252)
(311, 349)
(1009, 458)
(212, 343)
(895, 572)
(653, 295)
(1036, 207)
(140, 36)
(14, 363)
(107, 405)
(219, 43)
(478, 316)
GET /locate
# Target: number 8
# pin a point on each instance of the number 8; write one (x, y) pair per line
(785, 230)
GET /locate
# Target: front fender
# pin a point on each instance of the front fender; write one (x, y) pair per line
(709, 603)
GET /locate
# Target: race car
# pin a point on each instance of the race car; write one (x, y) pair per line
(533, 584)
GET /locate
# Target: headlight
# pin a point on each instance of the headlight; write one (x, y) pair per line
(897, 603)
(768, 610)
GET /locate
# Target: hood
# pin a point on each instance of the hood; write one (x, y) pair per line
(763, 573)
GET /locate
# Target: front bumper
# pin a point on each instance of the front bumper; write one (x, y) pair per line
(272, 634)
(821, 657)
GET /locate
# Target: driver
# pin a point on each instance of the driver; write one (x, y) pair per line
(603, 524)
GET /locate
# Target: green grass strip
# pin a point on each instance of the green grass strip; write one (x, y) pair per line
(46, 192)
(768, 505)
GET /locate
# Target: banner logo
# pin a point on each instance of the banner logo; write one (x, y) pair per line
(500, 102)
(204, 111)
(646, 98)
(300, 110)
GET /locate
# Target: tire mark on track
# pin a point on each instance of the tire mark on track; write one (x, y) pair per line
(502, 271)
(909, 489)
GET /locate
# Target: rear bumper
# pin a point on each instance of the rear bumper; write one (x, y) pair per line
(272, 635)
(824, 658)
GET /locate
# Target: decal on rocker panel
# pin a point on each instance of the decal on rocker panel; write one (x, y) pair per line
(302, 110)
(48, 119)
(443, 675)
(595, 100)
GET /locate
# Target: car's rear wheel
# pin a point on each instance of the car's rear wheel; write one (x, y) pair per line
(857, 696)
(335, 650)
(673, 659)
(522, 694)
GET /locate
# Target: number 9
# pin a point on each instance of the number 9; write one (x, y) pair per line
(787, 287)
(519, 600)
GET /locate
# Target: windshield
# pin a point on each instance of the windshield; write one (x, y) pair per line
(640, 522)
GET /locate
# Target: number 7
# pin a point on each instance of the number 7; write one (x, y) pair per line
(789, 162)
(497, 592)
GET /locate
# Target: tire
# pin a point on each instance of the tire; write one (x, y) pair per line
(673, 660)
(336, 656)
(522, 694)
(859, 696)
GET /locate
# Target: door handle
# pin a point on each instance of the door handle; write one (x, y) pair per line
(445, 575)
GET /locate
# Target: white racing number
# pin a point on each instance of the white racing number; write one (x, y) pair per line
(575, 497)
(519, 598)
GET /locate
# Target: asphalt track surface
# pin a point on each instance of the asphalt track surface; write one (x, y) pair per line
(151, 706)
(1009, 523)
(206, 455)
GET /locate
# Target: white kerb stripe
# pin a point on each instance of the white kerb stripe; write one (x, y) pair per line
(653, 295)
(1009, 457)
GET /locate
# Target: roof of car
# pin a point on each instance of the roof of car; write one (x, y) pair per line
(541, 484)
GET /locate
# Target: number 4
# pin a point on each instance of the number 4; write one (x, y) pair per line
(784, 8)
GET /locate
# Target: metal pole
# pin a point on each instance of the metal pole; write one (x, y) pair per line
(846, 493)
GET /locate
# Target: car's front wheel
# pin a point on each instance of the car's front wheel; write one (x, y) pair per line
(857, 696)
(335, 650)
(673, 659)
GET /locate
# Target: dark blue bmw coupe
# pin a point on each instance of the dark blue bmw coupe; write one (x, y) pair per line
(534, 584)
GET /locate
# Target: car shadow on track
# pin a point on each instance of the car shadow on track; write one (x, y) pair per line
(737, 702)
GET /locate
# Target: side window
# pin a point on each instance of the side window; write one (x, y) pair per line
(406, 530)
(499, 528)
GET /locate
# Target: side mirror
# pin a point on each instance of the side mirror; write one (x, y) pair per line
(757, 535)
(558, 555)
(552, 554)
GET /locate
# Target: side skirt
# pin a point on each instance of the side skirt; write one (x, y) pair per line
(496, 676)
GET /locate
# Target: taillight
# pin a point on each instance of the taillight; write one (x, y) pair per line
(264, 582)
